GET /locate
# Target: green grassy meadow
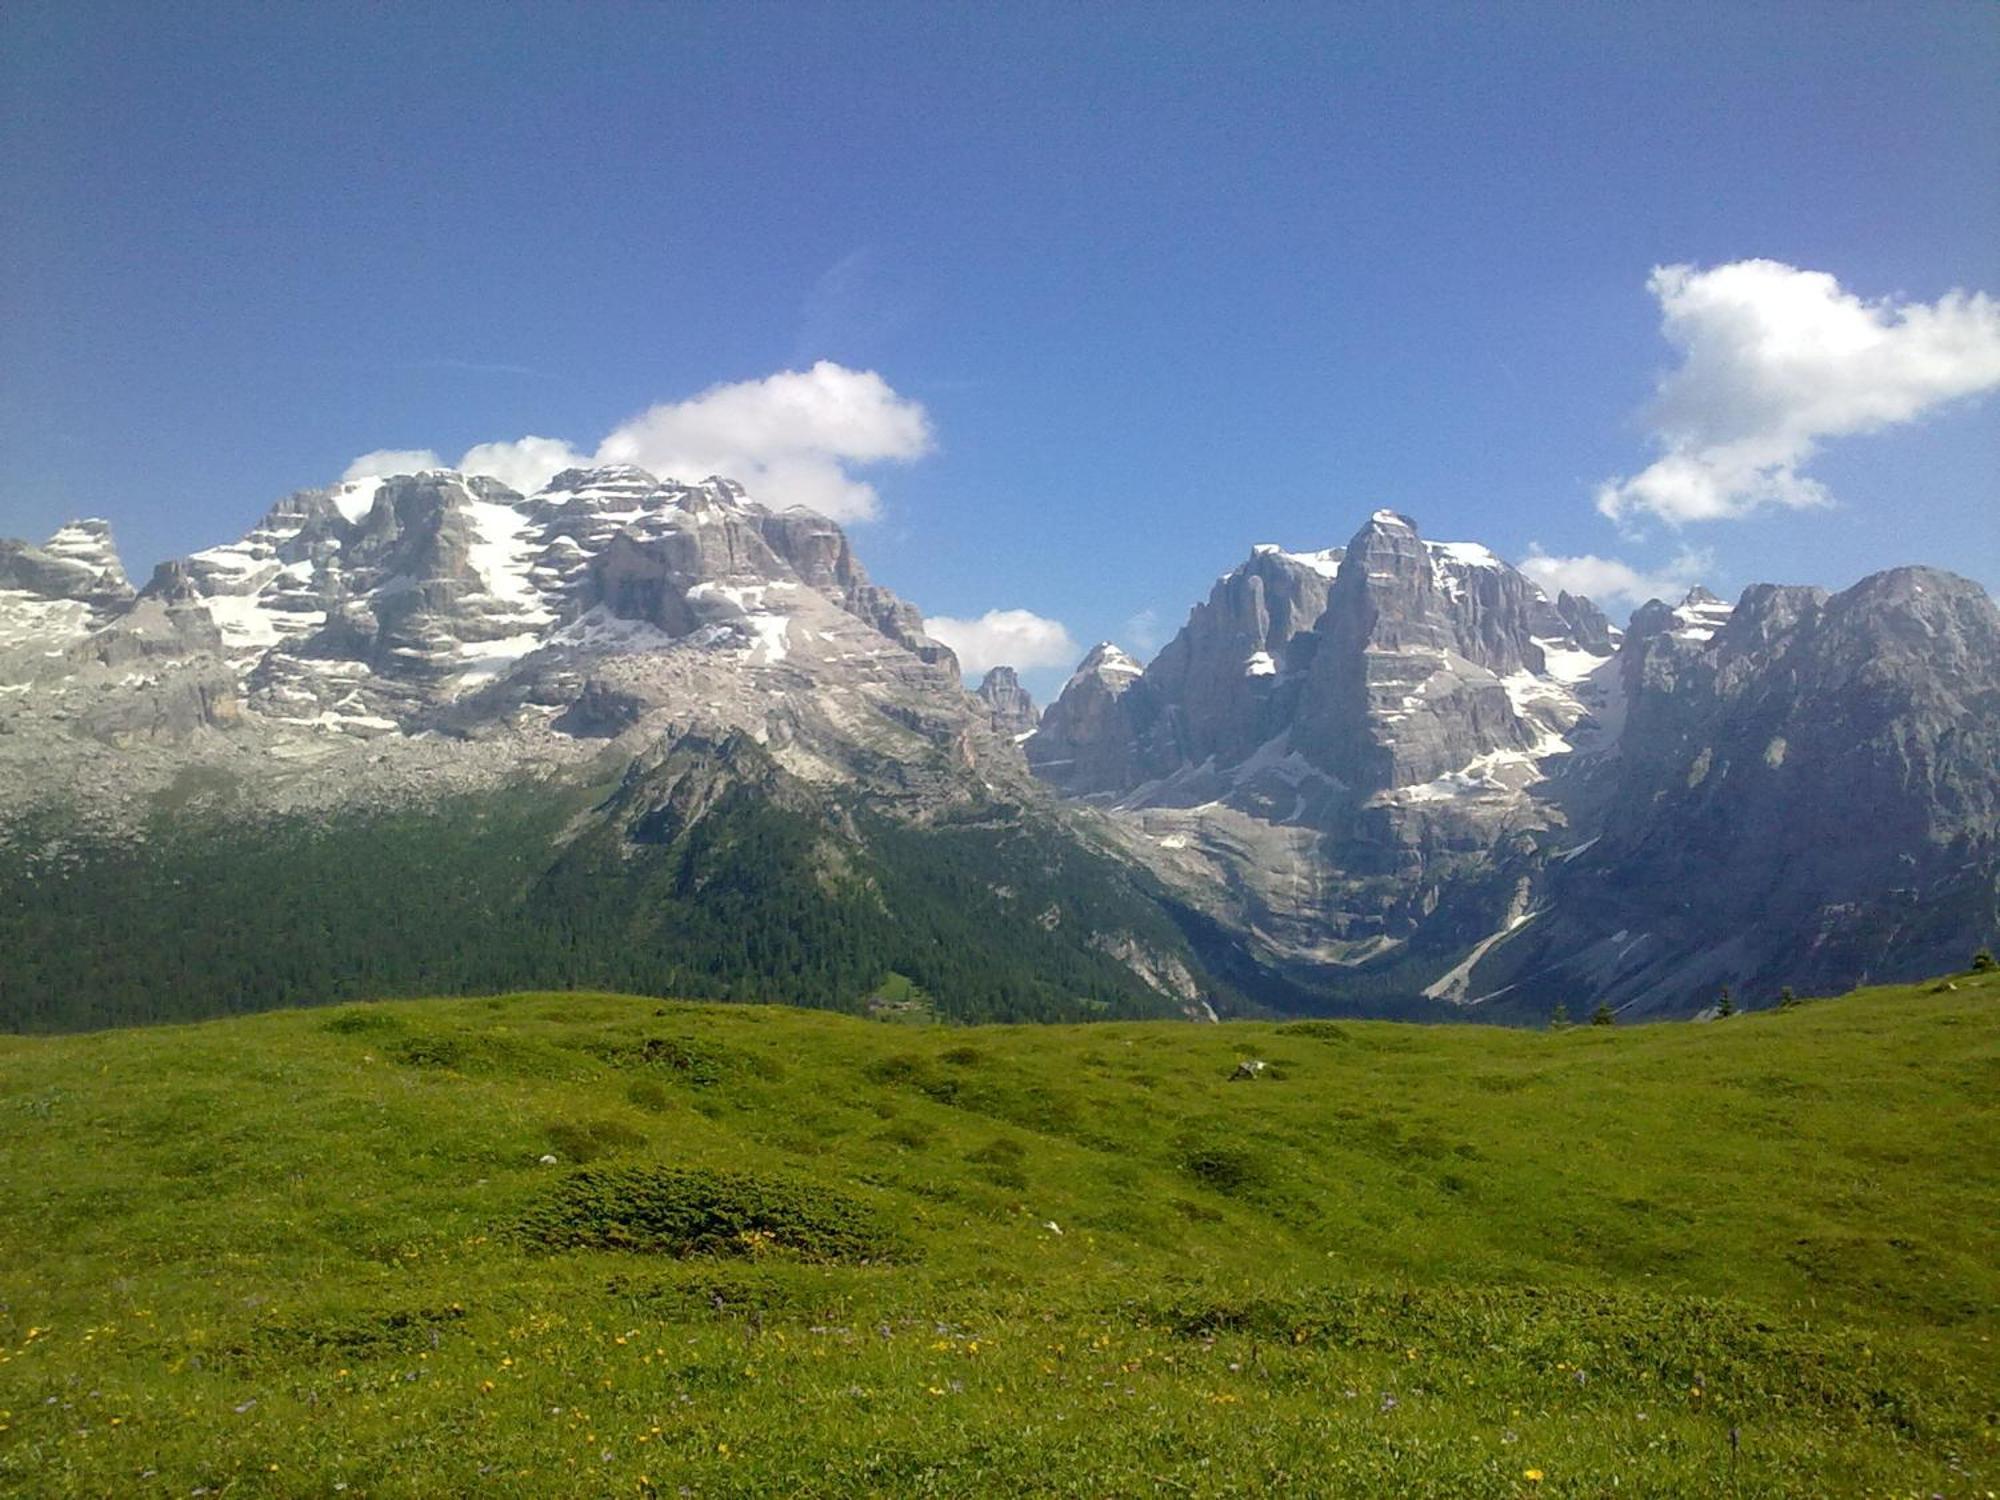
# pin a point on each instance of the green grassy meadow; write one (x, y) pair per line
(788, 1252)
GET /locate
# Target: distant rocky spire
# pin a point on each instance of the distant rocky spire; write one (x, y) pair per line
(1014, 713)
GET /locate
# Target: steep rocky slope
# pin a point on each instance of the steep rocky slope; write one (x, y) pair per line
(1809, 794)
(1398, 772)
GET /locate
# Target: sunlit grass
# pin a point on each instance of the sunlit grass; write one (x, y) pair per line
(299, 1251)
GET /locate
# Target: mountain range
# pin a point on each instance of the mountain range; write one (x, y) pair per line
(426, 734)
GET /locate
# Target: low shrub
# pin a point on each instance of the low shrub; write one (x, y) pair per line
(362, 1021)
(587, 1140)
(691, 1060)
(697, 1211)
(1225, 1169)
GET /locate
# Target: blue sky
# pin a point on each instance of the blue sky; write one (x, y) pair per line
(1165, 280)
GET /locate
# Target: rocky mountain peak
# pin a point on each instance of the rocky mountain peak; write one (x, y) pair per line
(1588, 625)
(1111, 665)
(1013, 711)
(1088, 739)
(57, 593)
(374, 605)
(87, 544)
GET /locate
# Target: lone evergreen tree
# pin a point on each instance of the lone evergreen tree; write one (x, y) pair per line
(1983, 962)
(1559, 1017)
(1602, 1015)
(1787, 1000)
(1725, 1005)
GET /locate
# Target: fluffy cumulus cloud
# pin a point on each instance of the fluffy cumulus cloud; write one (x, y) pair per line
(1610, 582)
(386, 461)
(526, 464)
(1016, 638)
(789, 439)
(1774, 361)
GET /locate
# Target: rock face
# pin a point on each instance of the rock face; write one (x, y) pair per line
(441, 600)
(1012, 711)
(1332, 737)
(53, 595)
(1088, 739)
(1807, 796)
(1397, 769)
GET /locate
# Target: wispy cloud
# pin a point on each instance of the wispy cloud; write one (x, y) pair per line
(1144, 632)
(1774, 361)
(477, 367)
(852, 309)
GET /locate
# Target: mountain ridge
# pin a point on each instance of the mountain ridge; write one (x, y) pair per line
(1386, 777)
(1411, 786)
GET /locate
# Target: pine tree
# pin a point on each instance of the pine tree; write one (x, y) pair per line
(1559, 1017)
(1787, 1000)
(1726, 1005)
(1602, 1015)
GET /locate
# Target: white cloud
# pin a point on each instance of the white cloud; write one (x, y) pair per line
(386, 461)
(1608, 581)
(1774, 360)
(789, 439)
(1016, 638)
(526, 464)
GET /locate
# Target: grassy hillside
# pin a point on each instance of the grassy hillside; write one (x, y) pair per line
(790, 1252)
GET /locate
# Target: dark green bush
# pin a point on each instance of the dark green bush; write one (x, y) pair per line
(692, 1060)
(362, 1021)
(1226, 1169)
(1322, 1031)
(431, 1052)
(647, 1094)
(697, 1211)
(586, 1140)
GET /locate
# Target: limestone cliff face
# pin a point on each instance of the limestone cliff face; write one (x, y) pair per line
(1807, 796)
(383, 613)
(1088, 739)
(1443, 774)
(1229, 680)
(53, 595)
(1405, 686)
(1012, 711)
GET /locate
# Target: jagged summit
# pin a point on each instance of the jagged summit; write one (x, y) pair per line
(1013, 711)
(1108, 658)
(1384, 664)
(87, 543)
(57, 593)
(1415, 752)
(406, 603)
(640, 717)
